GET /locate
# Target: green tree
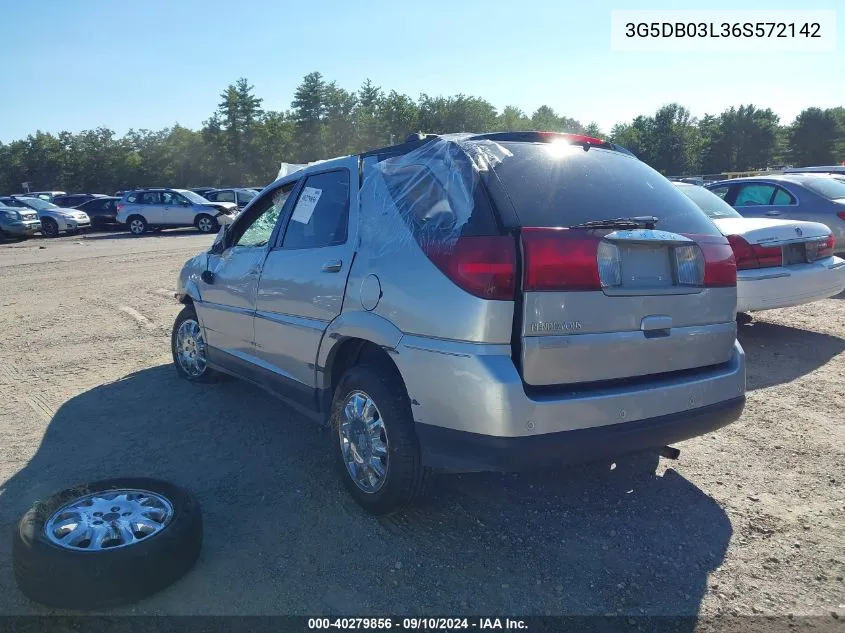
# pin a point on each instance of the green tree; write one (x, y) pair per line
(635, 136)
(545, 119)
(339, 126)
(275, 144)
(839, 145)
(593, 130)
(238, 114)
(309, 107)
(400, 117)
(512, 119)
(369, 119)
(814, 136)
(240, 144)
(674, 141)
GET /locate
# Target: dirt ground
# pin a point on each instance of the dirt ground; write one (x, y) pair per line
(750, 520)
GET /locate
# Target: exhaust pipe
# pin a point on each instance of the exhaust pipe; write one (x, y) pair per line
(669, 452)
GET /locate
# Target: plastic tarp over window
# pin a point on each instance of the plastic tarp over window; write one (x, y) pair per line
(427, 196)
(286, 169)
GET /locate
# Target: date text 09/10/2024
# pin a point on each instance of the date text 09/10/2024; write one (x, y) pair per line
(417, 624)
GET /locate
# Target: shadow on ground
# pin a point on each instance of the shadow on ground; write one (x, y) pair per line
(123, 234)
(282, 536)
(777, 354)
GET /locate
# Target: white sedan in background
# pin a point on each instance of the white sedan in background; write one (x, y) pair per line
(779, 263)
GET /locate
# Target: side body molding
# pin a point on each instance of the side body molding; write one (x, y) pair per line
(356, 324)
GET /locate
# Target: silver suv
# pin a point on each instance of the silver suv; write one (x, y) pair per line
(470, 303)
(145, 209)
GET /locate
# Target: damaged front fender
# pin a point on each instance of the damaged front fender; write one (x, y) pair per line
(187, 287)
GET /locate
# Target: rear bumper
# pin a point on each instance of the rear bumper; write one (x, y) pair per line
(475, 391)
(452, 450)
(769, 288)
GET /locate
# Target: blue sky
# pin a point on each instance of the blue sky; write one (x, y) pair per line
(80, 64)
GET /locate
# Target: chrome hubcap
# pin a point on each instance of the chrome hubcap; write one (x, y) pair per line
(110, 519)
(136, 226)
(190, 348)
(363, 442)
(205, 225)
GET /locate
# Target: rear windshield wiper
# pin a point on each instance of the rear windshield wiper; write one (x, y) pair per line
(638, 222)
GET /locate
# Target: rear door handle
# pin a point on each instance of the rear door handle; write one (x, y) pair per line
(773, 213)
(332, 266)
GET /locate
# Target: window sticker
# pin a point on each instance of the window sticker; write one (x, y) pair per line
(306, 204)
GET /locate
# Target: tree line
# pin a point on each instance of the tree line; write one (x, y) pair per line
(243, 144)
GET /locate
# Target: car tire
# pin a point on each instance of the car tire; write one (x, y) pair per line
(49, 227)
(404, 477)
(137, 225)
(743, 318)
(206, 224)
(195, 372)
(74, 575)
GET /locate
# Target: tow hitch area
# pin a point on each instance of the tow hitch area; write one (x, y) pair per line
(669, 452)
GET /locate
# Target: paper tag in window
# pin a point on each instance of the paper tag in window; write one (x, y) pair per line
(305, 205)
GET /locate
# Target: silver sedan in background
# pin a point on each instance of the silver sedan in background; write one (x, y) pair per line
(807, 197)
(54, 219)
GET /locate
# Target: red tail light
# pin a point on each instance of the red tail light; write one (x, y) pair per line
(560, 259)
(119, 207)
(826, 247)
(563, 259)
(750, 256)
(483, 266)
(841, 215)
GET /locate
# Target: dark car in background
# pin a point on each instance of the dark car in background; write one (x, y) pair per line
(201, 191)
(102, 211)
(75, 199)
(241, 196)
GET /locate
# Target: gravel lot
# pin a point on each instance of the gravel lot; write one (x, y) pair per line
(750, 519)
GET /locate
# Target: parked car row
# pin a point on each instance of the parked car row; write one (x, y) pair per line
(333, 289)
(56, 212)
(52, 219)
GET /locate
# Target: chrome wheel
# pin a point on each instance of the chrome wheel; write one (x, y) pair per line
(137, 226)
(363, 442)
(109, 519)
(190, 348)
(205, 224)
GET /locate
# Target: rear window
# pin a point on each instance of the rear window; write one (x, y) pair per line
(830, 188)
(560, 185)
